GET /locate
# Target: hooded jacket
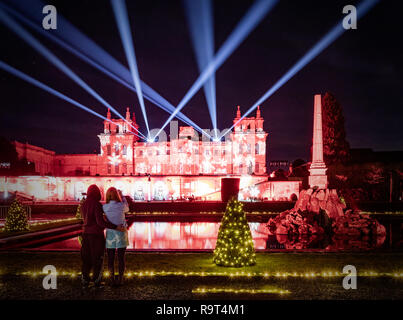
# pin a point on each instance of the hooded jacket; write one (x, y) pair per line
(94, 221)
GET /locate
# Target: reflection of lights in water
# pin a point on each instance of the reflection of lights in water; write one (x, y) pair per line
(149, 234)
(140, 227)
(208, 244)
(160, 228)
(203, 235)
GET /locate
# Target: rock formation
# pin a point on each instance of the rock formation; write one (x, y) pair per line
(319, 211)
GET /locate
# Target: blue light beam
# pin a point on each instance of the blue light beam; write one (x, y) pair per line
(122, 21)
(200, 20)
(251, 19)
(327, 40)
(41, 85)
(73, 40)
(26, 36)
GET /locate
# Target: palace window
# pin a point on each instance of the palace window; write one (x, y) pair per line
(108, 150)
(256, 148)
(257, 167)
(117, 128)
(140, 153)
(117, 149)
(248, 148)
(109, 168)
(116, 167)
(124, 168)
(124, 151)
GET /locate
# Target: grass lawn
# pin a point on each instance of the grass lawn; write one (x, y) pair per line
(14, 285)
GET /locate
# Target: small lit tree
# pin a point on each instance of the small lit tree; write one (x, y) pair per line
(234, 247)
(79, 214)
(17, 219)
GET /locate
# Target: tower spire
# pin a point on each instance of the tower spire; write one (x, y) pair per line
(258, 112)
(127, 114)
(238, 112)
(108, 115)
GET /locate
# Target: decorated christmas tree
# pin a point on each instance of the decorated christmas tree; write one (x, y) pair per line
(234, 247)
(79, 214)
(17, 219)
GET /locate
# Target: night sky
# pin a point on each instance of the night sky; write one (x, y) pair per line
(363, 69)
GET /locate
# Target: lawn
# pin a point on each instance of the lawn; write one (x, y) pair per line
(185, 276)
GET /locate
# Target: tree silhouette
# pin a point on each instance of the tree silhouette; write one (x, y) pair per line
(335, 146)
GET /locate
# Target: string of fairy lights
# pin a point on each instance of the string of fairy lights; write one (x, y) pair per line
(204, 290)
(237, 274)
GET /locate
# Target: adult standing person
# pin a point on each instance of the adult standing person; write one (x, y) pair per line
(116, 241)
(93, 243)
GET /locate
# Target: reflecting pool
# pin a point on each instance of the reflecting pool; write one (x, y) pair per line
(155, 235)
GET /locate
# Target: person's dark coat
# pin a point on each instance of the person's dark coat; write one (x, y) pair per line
(94, 220)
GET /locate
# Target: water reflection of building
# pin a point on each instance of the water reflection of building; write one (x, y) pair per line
(183, 235)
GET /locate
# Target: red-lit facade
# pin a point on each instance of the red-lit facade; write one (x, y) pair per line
(244, 152)
(185, 166)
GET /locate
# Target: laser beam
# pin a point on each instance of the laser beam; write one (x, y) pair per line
(200, 20)
(251, 19)
(328, 39)
(73, 40)
(41, 85)
(122, 21)
(26, 36)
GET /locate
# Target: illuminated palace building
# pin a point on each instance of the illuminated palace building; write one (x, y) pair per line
(184, 166)
(184, 154)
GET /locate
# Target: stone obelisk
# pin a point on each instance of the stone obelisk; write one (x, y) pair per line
(318, 168)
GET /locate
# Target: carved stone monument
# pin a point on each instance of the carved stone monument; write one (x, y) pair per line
(318, 167)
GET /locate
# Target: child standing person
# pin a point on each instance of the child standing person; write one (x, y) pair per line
(115, 208)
